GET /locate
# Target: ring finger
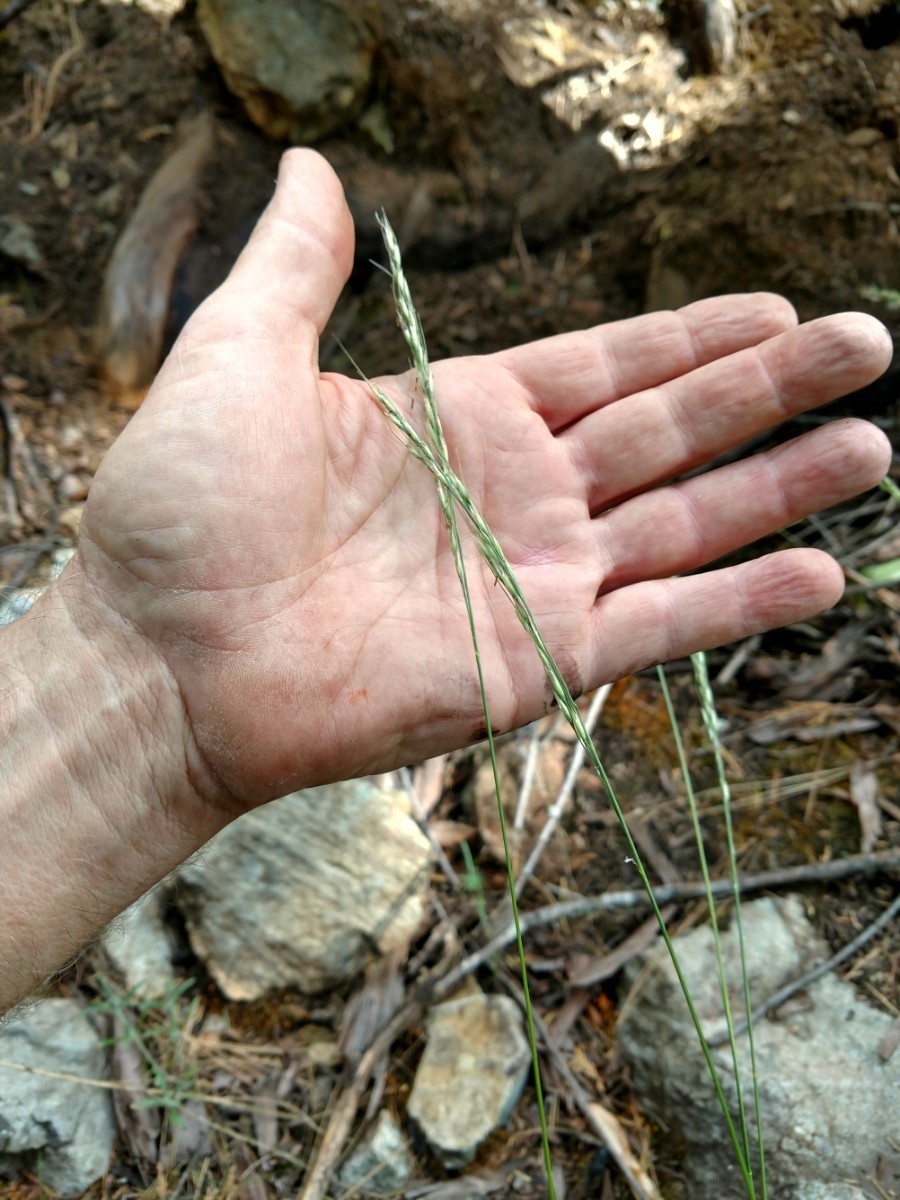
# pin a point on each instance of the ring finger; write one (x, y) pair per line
(677, 528)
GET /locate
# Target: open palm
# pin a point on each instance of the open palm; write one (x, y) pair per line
(266, 530)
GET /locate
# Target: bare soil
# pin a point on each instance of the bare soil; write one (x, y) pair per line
(781, 174)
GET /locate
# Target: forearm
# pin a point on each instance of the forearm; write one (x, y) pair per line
(97, 799)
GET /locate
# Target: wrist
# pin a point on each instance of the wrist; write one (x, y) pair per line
(101, 790)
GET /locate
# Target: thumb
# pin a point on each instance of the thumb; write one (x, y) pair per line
(299, 255)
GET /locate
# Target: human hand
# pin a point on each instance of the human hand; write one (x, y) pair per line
(261, 527)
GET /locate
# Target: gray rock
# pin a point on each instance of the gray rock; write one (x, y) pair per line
(301, 69)
(16, 602)
(139, 945)
(830, 1105)
(17, 241)
(381, 1163)
(305, 892)
(822, 1191)
(59, 1129)
(471, 1074)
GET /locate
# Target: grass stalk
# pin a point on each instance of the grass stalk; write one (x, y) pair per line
(411, 328)
(742, 1148)
(452, 493)
(711, 724)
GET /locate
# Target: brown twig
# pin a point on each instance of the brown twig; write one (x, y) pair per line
(797, 985)
(857, 864)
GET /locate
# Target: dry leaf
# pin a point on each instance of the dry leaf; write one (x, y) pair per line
(585, 971)
(864, 794)
(190, 1136)
(890, 1041)
(265, 1115)
(459, 1189)
(614, 1136)
(451, 833)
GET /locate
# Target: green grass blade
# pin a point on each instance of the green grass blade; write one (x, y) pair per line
(503, 573)
(711, 723)
(742, 1148)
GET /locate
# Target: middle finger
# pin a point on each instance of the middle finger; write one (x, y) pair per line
(657, 434)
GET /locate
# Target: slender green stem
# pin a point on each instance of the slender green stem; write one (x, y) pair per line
(453, 494)
(500, 568)
(711, 722)
(415, 340)
(742, 1149)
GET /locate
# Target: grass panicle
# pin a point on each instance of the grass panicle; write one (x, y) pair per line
(415, 339)
(431, 450)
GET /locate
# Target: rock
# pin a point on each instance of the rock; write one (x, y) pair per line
(471, 1075)
(305, 892)
(139, 945)
(301, 70)
(17, 241)
(829, 1103)
(61, 1131)
(822, 1191)
(382, 1162)
(15, 602)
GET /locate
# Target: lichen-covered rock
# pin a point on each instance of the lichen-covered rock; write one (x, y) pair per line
(822, 1191)
(303, 893)
(59, 1129)
(381, 1162)
(470, 1076)
(140, 946)
(829, 1103)
(301, 69)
